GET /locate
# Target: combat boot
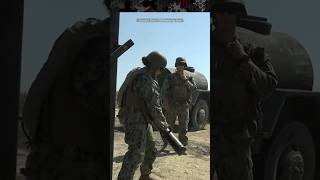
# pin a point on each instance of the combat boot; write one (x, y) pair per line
(183, 139)
(149, 177)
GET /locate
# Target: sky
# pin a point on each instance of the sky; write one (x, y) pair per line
(45, 20)
(300, 19)
(189, 38)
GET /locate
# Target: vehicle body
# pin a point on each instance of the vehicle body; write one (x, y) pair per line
(287, 144)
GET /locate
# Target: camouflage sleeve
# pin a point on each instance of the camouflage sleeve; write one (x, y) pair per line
(190, 84)
(259, 72)
(164, 89)
(145, 88)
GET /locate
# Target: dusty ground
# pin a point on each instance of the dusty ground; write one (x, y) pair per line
(193, 166)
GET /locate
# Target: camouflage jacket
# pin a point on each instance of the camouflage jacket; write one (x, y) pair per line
(240, 88)
(143, 92)
(176, 90)
(69, 91)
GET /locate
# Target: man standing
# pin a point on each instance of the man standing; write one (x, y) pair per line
(65, 110)
(176, 95)
(243, 75)
(140, 95)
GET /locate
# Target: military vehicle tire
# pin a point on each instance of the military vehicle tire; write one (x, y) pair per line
(199, 115)
(291, 154)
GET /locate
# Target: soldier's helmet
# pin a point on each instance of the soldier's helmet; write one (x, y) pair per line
(181, 61)
(235, 3)
(155, 60)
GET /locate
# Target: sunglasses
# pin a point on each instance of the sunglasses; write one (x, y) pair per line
(227, 9)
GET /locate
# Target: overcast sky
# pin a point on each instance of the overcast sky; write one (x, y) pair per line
(45, 20)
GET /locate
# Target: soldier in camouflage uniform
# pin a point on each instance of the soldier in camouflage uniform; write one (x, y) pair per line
(176, 95)
(64, 112)
(243, 76)
(142, 92)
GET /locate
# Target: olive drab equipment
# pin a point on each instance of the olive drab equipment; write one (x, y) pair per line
(155, 60)
(121, 49)
(128, 80)
(166, 135)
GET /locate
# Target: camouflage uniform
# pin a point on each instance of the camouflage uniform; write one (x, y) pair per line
(239, 87)
(178, 93)
(142, 92)
(65, 107)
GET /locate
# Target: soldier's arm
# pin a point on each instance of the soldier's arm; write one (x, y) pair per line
(164, 94)
(164, 89)
(190, 84)
(260, 73)
(151, 97)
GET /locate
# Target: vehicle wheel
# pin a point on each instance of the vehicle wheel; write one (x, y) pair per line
(292, 154)
(199, 115)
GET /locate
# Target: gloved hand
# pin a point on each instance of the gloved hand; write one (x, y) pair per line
(163, 125)
(182, 75)
(236, 50)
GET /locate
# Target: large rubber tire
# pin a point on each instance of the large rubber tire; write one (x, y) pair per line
(294, 136)
(199, 115)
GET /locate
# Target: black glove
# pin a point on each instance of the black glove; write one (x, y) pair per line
(162, 125)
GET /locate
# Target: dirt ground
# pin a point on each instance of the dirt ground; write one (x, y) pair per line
(193, 166)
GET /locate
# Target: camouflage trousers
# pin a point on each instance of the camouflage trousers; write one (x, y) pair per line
(182, 112)
(232, 153)
(46, 162)
(141, 149)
